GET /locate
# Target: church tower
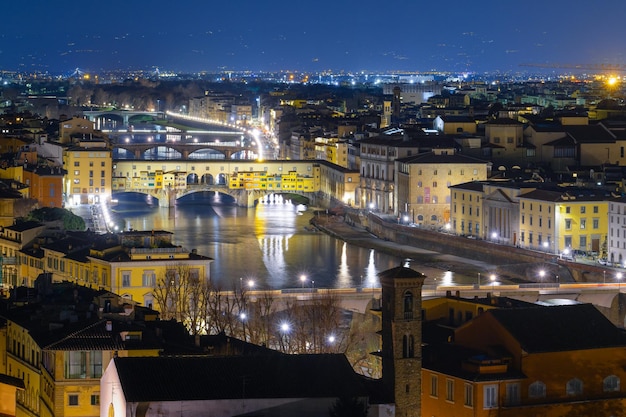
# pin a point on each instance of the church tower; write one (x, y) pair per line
(401, 307)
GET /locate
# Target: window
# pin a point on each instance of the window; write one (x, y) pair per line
(95, 364)
(433, 385)
(95, 399)
(75, 366)
(125, 278)
(568, 224)
(83, 364)
(567, 210)
(148, 279)
(449, 390)
(72, 399)
(595, 209)
(490, 396)
(611, 383)
(583, 223)
(583, 209)
(596, 223)
(407, 346)
(408, 305)
(512, 394)
(574, 387)
(468, 400)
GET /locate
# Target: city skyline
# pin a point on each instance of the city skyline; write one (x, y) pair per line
(353, 36)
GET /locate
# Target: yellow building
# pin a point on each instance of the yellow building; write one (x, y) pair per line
(60, 352)
(127, 264)
(12, 240)
(560, 221)
(338, 184)
(332, 150)
(89, 166)
(423, 181)
(261, 180)
(488, 209)
(76, 126)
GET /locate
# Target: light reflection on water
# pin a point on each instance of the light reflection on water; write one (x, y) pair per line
(268, 243)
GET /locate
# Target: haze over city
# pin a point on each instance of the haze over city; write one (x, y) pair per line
(190, 36)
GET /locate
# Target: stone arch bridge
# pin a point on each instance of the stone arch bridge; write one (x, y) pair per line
(244, 198)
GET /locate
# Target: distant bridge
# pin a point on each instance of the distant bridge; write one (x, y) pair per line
(604, 296)
(187, 148)
(124, 115)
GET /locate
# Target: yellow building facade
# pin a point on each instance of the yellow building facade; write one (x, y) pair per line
(424, 181)
(89, 166)
(61, 363)
(564, 221)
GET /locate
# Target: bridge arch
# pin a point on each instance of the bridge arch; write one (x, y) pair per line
(152, 152)
(192, 178)
(207, 152)
(207, 179)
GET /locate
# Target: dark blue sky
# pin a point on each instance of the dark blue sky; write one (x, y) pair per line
(207, 35)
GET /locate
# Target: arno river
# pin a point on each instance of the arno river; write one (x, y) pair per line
(269, 243)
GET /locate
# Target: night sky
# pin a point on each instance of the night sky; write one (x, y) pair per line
(208, 35)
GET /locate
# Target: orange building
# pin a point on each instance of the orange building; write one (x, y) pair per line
(46, 184)
(536, 361)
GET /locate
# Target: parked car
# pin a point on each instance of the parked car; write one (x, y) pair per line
(603, 261)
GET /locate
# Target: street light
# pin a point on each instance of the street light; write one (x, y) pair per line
(604, 277)
(478, 282)
(542, 274)
(619, 281)
(302, 280)
(492, 277)
(243, 316)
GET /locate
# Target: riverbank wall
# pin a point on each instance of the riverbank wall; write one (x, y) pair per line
(517, 263)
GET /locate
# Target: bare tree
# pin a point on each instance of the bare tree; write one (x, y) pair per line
(180, 294)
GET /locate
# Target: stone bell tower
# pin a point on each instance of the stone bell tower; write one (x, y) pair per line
(401, 307)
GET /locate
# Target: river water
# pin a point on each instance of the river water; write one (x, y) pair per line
(269, 243)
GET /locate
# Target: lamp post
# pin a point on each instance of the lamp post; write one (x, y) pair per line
(243, 317)
(302, 280)
(478, 282)
(619, 281)
(604, 277)
(284, 330)
(542, 274)
(492, 278)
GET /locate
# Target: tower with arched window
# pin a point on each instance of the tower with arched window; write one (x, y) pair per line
(401, 338)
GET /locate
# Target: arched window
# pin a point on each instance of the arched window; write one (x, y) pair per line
(407, 346)
(574, 387)
(611, 383)
(537, 390)
(408, 305)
